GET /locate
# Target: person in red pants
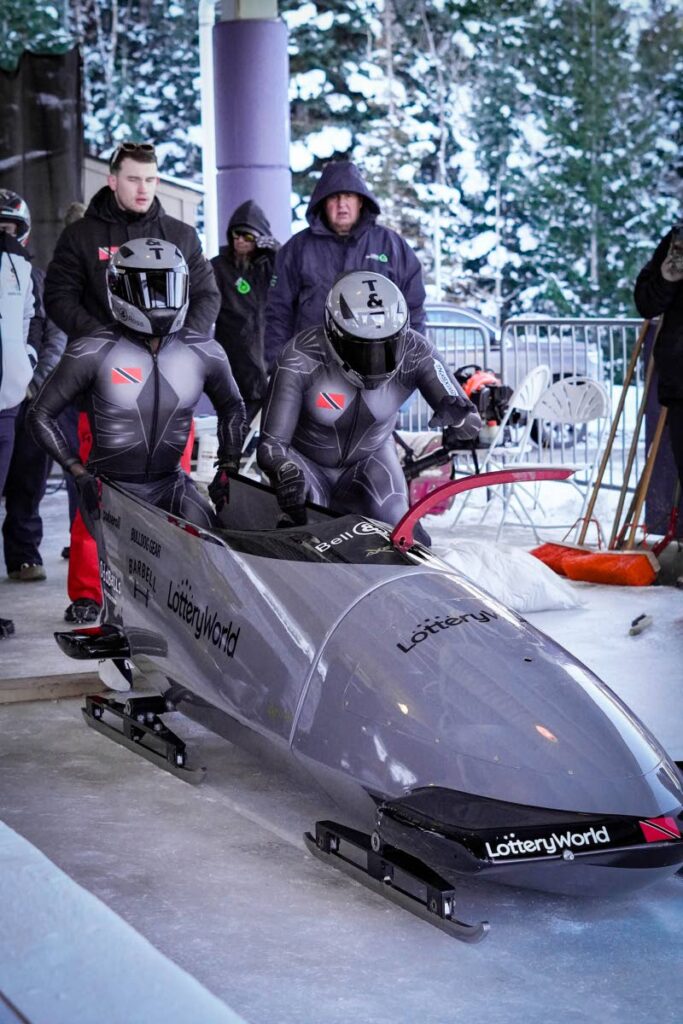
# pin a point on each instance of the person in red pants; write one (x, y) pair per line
(83, 580)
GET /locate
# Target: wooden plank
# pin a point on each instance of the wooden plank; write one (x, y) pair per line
(54, 687)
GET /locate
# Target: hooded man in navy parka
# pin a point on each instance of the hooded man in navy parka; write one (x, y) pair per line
(343, 235)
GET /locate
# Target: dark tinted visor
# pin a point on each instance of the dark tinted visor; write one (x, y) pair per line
(369, 358)
(151, 289)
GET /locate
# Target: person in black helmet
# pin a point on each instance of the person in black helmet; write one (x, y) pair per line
(333, 398)
(139, 382)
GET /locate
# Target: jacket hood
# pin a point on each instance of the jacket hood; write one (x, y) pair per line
(340, 176)
(250, 215)
(103, 206)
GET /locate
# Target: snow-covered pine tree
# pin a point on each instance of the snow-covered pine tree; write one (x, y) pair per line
(593, 197)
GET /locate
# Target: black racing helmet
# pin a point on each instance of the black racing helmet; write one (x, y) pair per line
(148, 284)
(15, 209)
(366, 323)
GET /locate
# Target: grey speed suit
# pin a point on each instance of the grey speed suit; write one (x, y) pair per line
(140, 407)
(341, 435)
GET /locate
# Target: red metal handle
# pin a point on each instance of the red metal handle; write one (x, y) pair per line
(402, 534)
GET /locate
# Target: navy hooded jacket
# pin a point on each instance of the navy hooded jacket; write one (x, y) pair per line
(309, 263)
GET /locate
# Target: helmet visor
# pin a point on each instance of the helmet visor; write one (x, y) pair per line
(151, 289)
(369, 358)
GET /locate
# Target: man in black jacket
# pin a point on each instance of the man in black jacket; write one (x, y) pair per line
(125, 208)
(659, 292)
(243, 271)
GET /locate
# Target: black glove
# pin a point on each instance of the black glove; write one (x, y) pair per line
(89, 494)
(454, 436)
(290, 489)
(219, 488)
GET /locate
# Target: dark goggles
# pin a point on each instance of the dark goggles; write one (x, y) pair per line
(150, 289)
(248, 236)
(130, 149)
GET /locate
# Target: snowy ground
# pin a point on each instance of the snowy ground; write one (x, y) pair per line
(218, 879)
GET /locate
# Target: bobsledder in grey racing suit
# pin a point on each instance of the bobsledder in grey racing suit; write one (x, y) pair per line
(140, 407)
(336, 440)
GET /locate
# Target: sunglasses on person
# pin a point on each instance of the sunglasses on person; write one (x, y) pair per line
(248, 236)
(129, 149)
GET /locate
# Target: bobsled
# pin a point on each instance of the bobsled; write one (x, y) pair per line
(455, 738)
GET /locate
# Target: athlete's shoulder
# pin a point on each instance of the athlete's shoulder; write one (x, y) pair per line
(418, 352)
(202, 345)
(102, 338)
(306, 352)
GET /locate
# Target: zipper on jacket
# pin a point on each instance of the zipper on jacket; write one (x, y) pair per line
(155, 413)
(352, 430)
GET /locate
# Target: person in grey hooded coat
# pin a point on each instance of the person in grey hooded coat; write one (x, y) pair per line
(343, 235)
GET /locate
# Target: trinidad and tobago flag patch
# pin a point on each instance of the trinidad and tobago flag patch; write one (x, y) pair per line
(657, 830)
(105, 251)
(330, 400)
(126, 375)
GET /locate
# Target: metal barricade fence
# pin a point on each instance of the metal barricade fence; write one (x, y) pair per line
(458, 346)
(595, 347)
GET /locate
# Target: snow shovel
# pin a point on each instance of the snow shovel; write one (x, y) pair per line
(556, 554)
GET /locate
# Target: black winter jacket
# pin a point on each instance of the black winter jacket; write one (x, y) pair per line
(244, 290)
(75, 286)
(309, 263)
(654, 297)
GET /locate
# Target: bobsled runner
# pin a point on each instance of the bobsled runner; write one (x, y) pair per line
(456, 739)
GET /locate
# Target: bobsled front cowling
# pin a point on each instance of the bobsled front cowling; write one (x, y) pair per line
(470, 698)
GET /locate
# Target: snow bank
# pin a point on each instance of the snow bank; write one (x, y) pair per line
(511, 575)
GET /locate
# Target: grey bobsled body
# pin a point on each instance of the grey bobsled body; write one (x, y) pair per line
(429, 710)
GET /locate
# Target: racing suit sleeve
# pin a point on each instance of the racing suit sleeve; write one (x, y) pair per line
(280, 308)
(452, 407)
(653, 294)
(280, 417)
(73, 376)
(220, 386)
(205, 298)
(65, 284)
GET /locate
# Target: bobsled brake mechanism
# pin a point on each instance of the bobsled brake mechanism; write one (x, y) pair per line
(393, 874)
(94, 642)
(142, 731)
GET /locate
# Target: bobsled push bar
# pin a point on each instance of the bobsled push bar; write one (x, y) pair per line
(398, 877)
(142, 731)
(402, 535)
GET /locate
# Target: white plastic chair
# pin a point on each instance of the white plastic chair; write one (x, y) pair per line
(511, 443)
(576, 402)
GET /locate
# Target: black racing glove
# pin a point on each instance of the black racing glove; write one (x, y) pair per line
(219, 488)
(89, 494)
(459, 418)
(290, 489)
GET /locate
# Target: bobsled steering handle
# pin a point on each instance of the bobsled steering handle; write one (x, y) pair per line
(402, 534)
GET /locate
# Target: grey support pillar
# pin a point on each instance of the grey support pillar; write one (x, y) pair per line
(251, 79)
